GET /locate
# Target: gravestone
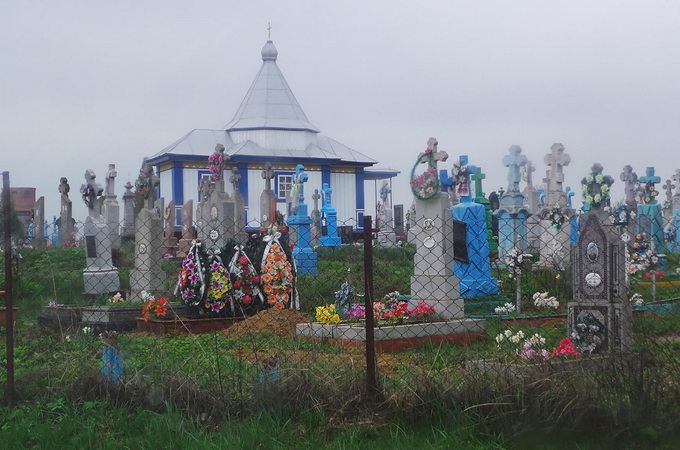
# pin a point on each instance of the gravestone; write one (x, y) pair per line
(170, 245)
(477, 179)
(399, 221)
(668, 203)
(530, 192)
(676, 197)
(127, 230)
(649, 214)
(99, 276)
(386, 219)
(474, 275)
(267, 197)
(329, 220)
(239, 230)
(111, 208)
(148, 275)
(555, 223)
(39, 240)
(554, 179)
(631, 187)
(300, 222)
(216, 212)
(512, 214)
(316, 219)
(66, 223)
(600, 318)
(433, 281)
(188, 229)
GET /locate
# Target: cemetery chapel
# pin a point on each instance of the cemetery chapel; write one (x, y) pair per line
(268, 127)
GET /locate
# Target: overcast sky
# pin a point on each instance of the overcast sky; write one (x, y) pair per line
(87, 83)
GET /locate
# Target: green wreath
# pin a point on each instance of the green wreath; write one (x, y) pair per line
(426, 185)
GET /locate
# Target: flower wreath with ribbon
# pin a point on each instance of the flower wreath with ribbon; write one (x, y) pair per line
(556, 217)
(277, 274)
(426, 185)
(590, 183)
(216, 167)
(191, 279)
(246, 282)
(143, 185)
(219, 284)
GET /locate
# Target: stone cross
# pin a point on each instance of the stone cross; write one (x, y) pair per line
(315, 197)
(267, 175)
(668, 187)
(154, 181)
(477, 177)
(650, 180)
(676, 178)
(528, 169)
(514, 162)
(442, 156)
(110, 180)
(385, 191)
(556, 160)
(235, 179)
(91, 190)
(630, 183)
(206, 189)
(64, 189)
(326, 193)
(298, 191)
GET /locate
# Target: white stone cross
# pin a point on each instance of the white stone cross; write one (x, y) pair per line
(556, 160)
(267, 175)
(668, 187)
(528, 169)
(630, 183)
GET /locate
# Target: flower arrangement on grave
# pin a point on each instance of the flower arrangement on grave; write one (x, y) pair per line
(117, 298)
(533, 348)
(327, 315)
(516, 261)
(191, 283)
(541, 300)
(588, 335)
(566, 348)
(216, 167)
(648, 192)
(219, 285)
(156, 307)
(643, 259)
(556, 217)
(596, 187)
(637, 300)
(246, 282)
(143, 185)
(344, 297)
(506, 308)
(276, 273)
(620, 214)
(426, 185)
(390, 310)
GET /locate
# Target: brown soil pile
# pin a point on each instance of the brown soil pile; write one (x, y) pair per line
(280, 322)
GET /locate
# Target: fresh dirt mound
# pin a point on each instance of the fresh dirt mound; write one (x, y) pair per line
(280, 322)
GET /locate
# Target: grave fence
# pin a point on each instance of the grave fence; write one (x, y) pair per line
(405, 328)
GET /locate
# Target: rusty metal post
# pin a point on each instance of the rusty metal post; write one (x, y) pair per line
(371, 366)
(9, 303)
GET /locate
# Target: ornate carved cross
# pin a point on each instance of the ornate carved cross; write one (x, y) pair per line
(668, 187)
(556, 160)
(630, 183)
(514, 162)
(267, 175)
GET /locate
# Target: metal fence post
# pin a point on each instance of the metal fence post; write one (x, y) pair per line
(371, 376)
(9, 303)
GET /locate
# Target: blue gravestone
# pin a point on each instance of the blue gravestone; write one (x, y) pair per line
(305, 257)
(329, 220)
(55, 231)
(475, 275)
(512, 214)
(649, 212)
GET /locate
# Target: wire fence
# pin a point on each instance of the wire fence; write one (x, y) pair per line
(453, 309)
